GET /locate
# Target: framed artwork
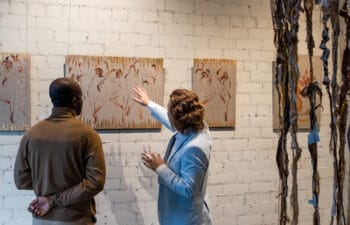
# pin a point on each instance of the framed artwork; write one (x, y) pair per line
(107, 83)
(303, 103)
(214, 80)
(14, 92)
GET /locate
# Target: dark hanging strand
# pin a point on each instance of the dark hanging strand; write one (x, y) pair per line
(346, 79)
(311, 91)
(308, 7)
(278, 10)
(343, 110)
(293, 72)
(340, 112)
(338, 105)
(285, 16)
(326, 82)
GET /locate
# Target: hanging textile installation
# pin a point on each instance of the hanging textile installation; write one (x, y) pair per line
(285, 16)
(338, 106)
(342, 111)
(345, 69)
(312, 90)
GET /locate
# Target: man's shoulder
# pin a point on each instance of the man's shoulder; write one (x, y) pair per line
(70, 125)
(84, 128)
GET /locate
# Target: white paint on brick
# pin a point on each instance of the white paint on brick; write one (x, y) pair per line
(176, 29)
(36, 10)
(179, 6)
(182, 18)
(18, 8)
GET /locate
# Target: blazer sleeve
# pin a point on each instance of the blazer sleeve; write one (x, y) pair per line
(194, 165)
(22, 171)
(160, 114)
(93, 181)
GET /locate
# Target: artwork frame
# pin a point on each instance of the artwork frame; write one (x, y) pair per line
(303, 105)
(214, 80)
(15, 108)
(107, 83)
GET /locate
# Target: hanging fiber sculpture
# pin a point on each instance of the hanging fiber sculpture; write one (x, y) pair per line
(346, 79)
(326, 83)
(293, 74)
(285, 15)
(342, 121)
(336, 97)
(311, 91)
(278, 10)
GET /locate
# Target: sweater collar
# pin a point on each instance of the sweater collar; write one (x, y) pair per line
(63, 112)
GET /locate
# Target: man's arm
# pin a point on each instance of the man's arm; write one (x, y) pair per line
(22, 170)
(93, 181)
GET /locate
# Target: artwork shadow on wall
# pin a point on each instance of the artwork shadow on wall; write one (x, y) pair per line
(303, 104)
(107, 84)
(214, 80)
(14, 92)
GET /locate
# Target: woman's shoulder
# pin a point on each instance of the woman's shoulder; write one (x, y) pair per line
(201, 140)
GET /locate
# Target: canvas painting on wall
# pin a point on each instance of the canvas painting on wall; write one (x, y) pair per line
(14, 92)
(214, 80)
(303, 103)
(107, 84)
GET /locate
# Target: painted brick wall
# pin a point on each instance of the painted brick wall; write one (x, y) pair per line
(243, 181)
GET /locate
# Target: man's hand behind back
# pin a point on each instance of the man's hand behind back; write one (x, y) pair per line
(39, 206)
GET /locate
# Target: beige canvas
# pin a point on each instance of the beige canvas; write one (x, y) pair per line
(107, 84)
(214, 80)
(303, 103)
(14, 92)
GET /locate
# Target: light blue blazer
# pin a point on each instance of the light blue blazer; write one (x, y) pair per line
(183, 181)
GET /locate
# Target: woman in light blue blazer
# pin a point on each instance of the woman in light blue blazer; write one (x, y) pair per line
(183, 172)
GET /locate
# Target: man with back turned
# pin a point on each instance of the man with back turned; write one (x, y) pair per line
(62, 160)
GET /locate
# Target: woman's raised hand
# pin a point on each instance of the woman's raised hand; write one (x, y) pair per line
(142, 96)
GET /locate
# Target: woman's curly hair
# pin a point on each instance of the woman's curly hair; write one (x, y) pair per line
(186, 111)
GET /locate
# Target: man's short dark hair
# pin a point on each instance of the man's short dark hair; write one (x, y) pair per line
(62, 91)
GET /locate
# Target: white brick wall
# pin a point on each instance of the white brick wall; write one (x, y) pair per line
(243, 181)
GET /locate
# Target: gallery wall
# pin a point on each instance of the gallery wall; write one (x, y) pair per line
(243, 181)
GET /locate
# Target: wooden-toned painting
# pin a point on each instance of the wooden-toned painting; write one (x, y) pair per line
(214, 80)
(14, 92)
(303, 104)
(107, 84)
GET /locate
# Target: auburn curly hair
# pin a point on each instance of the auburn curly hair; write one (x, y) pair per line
(185, 111)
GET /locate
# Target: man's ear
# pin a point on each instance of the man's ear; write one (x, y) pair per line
(75, 101)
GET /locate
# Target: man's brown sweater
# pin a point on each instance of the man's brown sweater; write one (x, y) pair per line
(62, 158)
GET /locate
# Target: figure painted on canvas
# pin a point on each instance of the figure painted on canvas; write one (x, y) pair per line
(214, 82)
(107, 86)
(14, 92)
(303, 105)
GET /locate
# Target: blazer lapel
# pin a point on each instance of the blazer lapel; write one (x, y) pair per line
(178, 145)
(170, 146)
